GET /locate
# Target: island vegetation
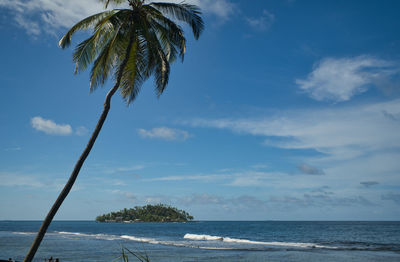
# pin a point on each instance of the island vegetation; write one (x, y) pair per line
(148, 213)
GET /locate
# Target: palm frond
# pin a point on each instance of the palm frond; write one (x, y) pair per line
(83, 25)
(169, 32)
(87, 51)
(158, 63)
(134, 44)
(84, 54)
(161, 73)
(133, 74)
(104, 63)
(112, 46)
(183, 12)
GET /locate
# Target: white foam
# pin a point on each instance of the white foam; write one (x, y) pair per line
(141, 239)
(250, 242)
(202, 237)
(189, 244)
(73, 233)
(24, 233)
(171, 243)
(97, 236)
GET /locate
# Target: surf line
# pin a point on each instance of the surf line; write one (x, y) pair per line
(250, 242)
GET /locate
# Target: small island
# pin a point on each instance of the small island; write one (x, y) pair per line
(148, 213)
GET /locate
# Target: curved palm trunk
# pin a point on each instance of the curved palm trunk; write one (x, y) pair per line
(78, 165)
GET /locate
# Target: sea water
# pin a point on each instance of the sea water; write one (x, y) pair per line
(206, 241)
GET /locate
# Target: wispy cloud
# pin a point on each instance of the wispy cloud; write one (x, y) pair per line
(259, 166)
(16, 148)
(13, 179)
(17, 179)
(320, 200)
(339, 79)
(204, 178)
(263, 22)
(124, 194)
(164, 133)
(369, 183)
(49, 16)
(31, 27)
(339, 133)
(244, 178)
(156, 200)
(289, 201)
(81, 131)
(392, 197)
(50, 127)
(310, 170)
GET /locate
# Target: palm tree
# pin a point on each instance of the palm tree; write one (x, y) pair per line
(131, 44)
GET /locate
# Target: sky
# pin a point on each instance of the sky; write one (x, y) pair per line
(282, 110)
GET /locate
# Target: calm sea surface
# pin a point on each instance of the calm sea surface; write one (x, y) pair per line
(207, 241)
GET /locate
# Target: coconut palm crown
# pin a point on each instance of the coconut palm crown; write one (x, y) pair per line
(144, 34)
(130, 44)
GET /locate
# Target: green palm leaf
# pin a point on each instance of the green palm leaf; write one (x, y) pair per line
(104, 63)
(183, 12)
(159, 41)
(82, 25)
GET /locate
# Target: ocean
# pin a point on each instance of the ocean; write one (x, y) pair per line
(207, 241)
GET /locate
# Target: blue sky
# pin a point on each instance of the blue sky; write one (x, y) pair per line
(286, 110)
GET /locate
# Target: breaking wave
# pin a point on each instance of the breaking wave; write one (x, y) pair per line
(210, 242)
(24, 233)
(250, 242)
(83, 235)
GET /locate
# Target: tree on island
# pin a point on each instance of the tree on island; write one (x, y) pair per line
(148, 213)
(131, 45)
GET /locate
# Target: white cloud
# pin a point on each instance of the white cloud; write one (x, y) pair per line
(262, 23)
(156, 200)
(124, 194)
(17, 179)
(339, 79)
(81, 131)
(54, 14)
(244, 178)
(339, 133)
(60, 14)
(355, 144)
(50, 127)
(32, 28)
(121, 170)
(164, 133)
(203, 178)
(12, 179)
